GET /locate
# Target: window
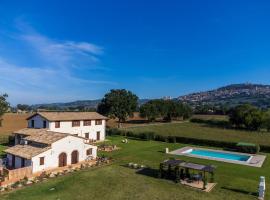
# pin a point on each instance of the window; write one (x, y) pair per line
(57, 124)
(98, 135)
(98, 122)
(75, 123)
(32, 123)
(44, 124)
(22, 162)
(87, 122)
(89, 152)
(86, 135)
(41, 161)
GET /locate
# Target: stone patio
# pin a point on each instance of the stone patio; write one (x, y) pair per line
(199, 185)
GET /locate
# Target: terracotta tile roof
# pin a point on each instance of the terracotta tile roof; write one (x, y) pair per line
(68, 116)
(41, 135)
(26, 151)
(46, 137)
(28, 131)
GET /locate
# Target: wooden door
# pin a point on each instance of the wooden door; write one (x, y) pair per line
(98, 135)
(62, 160)
(74, 157)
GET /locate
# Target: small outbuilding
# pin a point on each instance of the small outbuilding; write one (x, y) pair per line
(187, 173)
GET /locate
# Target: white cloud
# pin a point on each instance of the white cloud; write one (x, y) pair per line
(63, 53)
(56, 73)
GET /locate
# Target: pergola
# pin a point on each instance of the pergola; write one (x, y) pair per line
(182, 170)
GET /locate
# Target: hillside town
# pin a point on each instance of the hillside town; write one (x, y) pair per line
(236, 90)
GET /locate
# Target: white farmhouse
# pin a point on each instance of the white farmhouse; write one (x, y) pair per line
(90, 125)
(43, 150)
(56, 139)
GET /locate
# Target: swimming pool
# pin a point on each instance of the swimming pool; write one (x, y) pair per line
(218, 155)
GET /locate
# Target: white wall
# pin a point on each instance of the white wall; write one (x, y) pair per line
(66, 127)
(38, 122)
(67, 145)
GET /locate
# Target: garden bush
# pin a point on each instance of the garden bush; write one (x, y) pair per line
(247, 148)
(171, 139)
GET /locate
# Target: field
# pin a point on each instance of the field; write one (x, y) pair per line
(12, 122)
(204, 131)
(119, 182)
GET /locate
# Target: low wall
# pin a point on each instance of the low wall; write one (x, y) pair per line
(19, 173)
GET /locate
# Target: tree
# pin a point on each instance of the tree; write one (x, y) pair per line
(23, 107)
(118, 103)
(187, 111)
(246, 116)
(4, 105)
(149, 110)
(166, 109)
(266, 120)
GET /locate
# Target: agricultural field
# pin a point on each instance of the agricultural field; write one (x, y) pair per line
(117, 181)
(12, 122)
(211, 117)
(204, 131)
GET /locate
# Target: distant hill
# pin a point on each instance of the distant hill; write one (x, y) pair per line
(80, 104)
(231, 95)
(74, 104)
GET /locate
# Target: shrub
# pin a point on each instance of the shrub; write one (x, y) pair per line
(171, 139)
(161, 138)
(247, 148)
(113, 131)
(150, 135)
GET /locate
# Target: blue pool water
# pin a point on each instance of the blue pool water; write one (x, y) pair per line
(214, 154)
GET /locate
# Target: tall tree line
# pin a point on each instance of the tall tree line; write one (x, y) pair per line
(249, 117)
(165, 109)
(121, 104)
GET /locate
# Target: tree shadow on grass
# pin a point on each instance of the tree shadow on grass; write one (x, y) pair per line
(240, 191)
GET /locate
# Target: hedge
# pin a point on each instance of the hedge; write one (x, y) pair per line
(247, 147)
(187, 140)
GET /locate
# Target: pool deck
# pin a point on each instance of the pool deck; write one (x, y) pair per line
(255, 161)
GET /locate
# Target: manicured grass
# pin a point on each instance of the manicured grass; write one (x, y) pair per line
(203, 131)
(119, 182)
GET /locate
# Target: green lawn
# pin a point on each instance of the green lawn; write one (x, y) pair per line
(116, 182)
(203, 131)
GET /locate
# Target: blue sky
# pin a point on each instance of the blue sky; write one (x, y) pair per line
(52, 51)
